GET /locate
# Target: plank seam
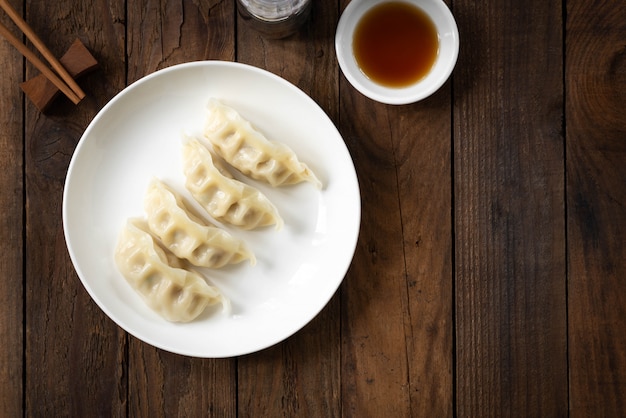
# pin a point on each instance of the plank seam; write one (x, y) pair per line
(565, 199)
(24, 231)
(453, 245)
(407, 355)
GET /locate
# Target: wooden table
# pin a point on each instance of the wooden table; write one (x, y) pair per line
(489, 277)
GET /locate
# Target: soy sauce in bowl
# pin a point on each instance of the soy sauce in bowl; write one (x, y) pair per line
(395, 44)
(397, 51)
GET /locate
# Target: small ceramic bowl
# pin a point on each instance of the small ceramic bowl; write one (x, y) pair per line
(444, 63)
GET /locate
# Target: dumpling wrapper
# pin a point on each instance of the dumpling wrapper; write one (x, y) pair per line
(177, 294)
(188, 236)
(223, 197)
(249, 151)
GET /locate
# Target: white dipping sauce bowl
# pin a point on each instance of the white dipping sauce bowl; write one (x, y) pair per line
(448, 34)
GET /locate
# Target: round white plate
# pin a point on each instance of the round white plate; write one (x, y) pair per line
(138, 135)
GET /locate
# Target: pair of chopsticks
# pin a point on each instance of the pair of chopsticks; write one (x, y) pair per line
(65, 83)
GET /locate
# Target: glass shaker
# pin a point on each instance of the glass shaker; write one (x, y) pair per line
(274, 18)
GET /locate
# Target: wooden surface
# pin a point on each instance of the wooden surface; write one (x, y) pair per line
(489, 278)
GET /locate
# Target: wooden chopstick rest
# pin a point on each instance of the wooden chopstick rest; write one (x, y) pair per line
(62, 79)
(77, 60)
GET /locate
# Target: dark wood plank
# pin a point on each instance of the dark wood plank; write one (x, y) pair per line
(397, 300)
(163, 384)
(74, 354)
(298, 377)
(596, 201)
(11, 228)
(374, 293)
(397, 332)
(161, 34)
(422, 141)
(509, 211)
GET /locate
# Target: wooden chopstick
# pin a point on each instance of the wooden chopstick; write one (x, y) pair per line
(76, 91)
(47, 72)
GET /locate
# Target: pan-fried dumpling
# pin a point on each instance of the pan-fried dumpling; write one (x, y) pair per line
(249, 151)
(224, 198)
(188, 236)
(177, 294)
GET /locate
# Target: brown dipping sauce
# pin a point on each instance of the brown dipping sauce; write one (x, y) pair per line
(395, 44)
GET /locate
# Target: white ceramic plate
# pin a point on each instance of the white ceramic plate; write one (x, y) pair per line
(138, 135)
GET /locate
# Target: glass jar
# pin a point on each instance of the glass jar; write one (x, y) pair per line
(274, 18)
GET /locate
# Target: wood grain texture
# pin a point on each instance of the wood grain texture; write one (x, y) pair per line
(164, 33)
(488, 278)
(299, 377)
(596, 201)
(161, 34)
(397, 329)
(11, 229)
(422, 138)
(74, 353)
(374, 356)
(510, 294)
(375, 360)
(397, 332)
(186, 387)
(397, 298)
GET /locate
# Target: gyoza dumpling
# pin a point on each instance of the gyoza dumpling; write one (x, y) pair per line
(236, 141)
(177, 294)
(225, 199)
(188, 236)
